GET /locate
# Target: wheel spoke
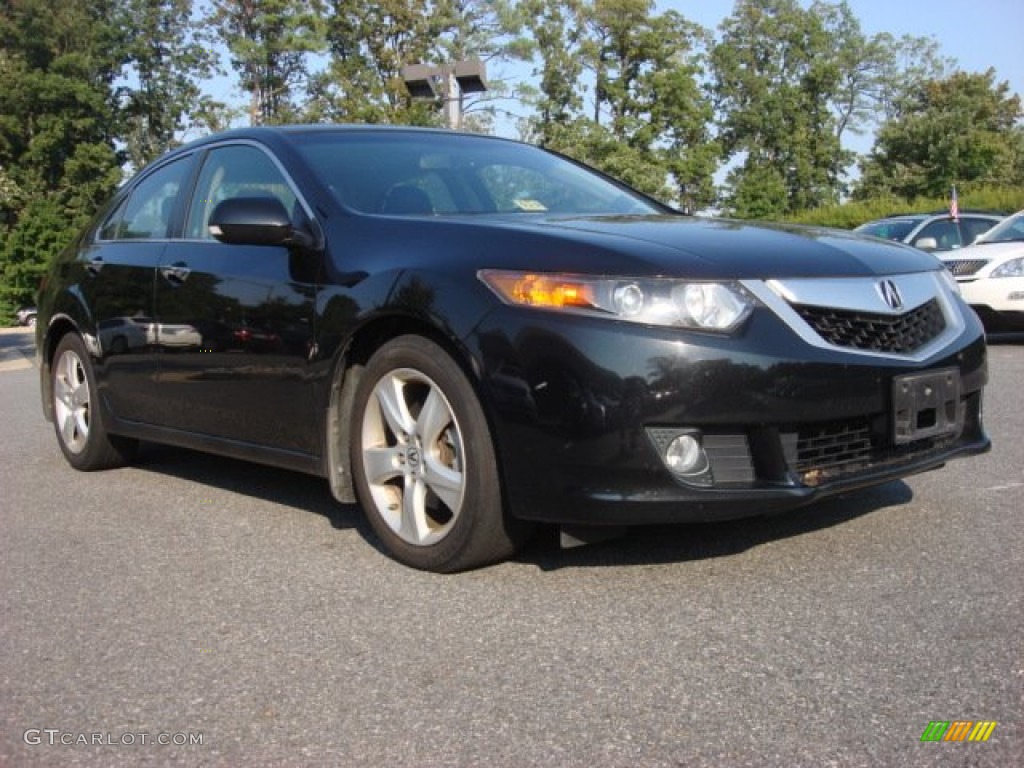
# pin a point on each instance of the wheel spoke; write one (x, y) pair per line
(80, 395)
(67, 428)
(414, 511)
(446, 483)
(61, 390)
(82, 422)
(390, 394)
(381, 464)
(434, 417)
(71, 371)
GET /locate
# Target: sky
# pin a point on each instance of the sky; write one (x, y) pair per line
(978, 34)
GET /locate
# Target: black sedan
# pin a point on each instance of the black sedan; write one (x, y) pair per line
(469, 335)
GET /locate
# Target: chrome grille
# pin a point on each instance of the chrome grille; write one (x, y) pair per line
(901, 334)
(962, 267)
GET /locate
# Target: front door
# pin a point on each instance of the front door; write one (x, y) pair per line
(234, 322)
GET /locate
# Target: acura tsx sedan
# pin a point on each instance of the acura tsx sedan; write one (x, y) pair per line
(469, 335)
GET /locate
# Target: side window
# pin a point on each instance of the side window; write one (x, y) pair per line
(229, 172)
(972, 228)
(147, 212)
(945, 232)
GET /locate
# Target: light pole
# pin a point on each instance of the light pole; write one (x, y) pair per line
(447, 82)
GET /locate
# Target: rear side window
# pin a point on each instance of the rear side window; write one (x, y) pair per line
(234, 171)
(146, 214)
(972, 228)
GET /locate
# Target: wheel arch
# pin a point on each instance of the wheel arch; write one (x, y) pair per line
(59, 327)
(346, 374)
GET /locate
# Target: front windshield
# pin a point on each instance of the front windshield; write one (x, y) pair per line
(407, 173)
(1008, 230)
(890, 229)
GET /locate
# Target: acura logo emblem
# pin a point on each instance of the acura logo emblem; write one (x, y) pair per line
(890, 294)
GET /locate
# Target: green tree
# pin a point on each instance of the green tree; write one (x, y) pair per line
(557, 28)
(775, 75)
(269, 42)
(58, 123)
(648, 121)
(959, 130)
(369, 43)
(168, 58)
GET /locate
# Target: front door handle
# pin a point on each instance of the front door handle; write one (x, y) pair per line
(176, 273)
(94, 266)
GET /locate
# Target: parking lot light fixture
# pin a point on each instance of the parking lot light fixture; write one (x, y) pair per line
(448, 83)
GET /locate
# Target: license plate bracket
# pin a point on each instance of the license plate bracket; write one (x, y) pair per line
(926, 405)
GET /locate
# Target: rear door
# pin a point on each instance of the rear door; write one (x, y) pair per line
(118, 269)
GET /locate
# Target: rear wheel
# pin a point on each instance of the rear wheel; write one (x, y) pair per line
(81, 433)
(424, 461)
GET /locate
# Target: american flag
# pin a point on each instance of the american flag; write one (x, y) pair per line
(954, 205)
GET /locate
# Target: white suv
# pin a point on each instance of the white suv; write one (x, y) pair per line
(991, 274)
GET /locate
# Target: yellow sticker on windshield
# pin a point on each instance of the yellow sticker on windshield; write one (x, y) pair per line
(529, 205)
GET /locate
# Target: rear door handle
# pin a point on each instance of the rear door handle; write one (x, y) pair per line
(176, 273)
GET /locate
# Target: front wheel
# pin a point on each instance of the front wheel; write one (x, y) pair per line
(82, 436)
(424, 461)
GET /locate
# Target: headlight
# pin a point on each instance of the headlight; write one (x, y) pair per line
(707, 306)
(1012, 268)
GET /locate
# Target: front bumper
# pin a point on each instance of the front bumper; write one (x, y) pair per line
(998, 301)
(573, 401)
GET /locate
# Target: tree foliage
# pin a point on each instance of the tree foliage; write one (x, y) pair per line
(964, 128)
(58, 122)
(791, 84)
(168, 58)
(620, 89)
(94, 89)
(269, 42)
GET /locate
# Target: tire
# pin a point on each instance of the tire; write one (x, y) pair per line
(424, 463)
(77, 417)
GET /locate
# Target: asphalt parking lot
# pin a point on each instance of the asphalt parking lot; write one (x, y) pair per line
(193, 598)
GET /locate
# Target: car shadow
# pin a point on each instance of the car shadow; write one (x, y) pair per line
(641, 545)
(651, 545)
(278, 486)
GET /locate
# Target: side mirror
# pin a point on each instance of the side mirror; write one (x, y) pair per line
(927, 244)
(256, 221)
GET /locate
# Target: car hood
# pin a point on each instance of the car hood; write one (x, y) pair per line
(723, 248)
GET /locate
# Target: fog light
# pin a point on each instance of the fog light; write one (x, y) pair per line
(686, 458)
(683, 454)
(682, 451)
